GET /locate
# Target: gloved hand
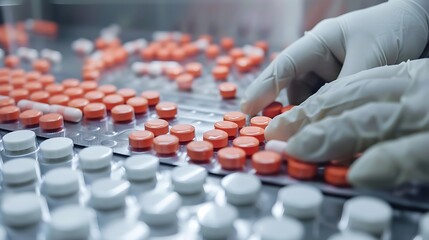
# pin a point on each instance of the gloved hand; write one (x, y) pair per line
(385, 34)
(383, 112)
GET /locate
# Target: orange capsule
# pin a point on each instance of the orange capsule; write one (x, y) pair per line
(127, 93)
(217, 137)
(51, 122)
(11, 61)
(243, 64)
(88, 86)
(286, 108)
(237, 117)
(336, 175)
(166, 144)
(236, 53)
(74, 92)
(54, 89)
(94, 111)
(33, 87)
(19, 94)
(40, 96)
(262, 45)
(272, 110)
(107, 89)
(139, 104)
(30, 117)
(220, 72)
(152, 97)
(260, 121)
(113, 100)
(194, 68)
(184, 81)
(33, 76)
(156, 126)
(200, 151)
(5, 90)
(79, 103)
(174, 71)
(70, 82)
(231, 158)
(227, 90)
(185, 132)
(227, 43)
(166, 110)
(122, 113)
(229, 127)
(266, 162)
(249, 144)
(9, 114)
(212, 51)
(91, 75)
(7, 101)
(253, 131)
(59, 99)
(94, 96)
(300, 170)
(178, 54)
(226, 61)
(41, 65)
(140, 140)
(47, 79)
(18, 82)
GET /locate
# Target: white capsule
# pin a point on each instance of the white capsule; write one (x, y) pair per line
(160, 207)
(300, 201)
(95, 157)
(108, 193)
(61, 182)
(19, 171)
(141, 167)
(22, 209)
(188, 179)
(216, 222)
(69, 113)
(83, 46)
(70, 222)
(27, 104)
(241, 188)
(19, 142)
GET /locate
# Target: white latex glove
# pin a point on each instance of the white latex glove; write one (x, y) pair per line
(385, 34)
(383, 112)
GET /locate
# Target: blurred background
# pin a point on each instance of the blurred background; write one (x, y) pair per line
(280, 22)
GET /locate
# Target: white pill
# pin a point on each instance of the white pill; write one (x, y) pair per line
(70, 114)
(52, 55)
(95, 157)
(141, 167)
(366, 214)
(108, 193)
(241, 188)
(83, 46)
(139, 68)
(424, 227)
(123, 229)
(160, 207)
(270, 228)
(351, 236)
(1, 57)
(57, 149)
(20, 140)
(61, 182)
(216, 222)
(22, 209)
(140, 43)
(202, 43)
(27, 104)
(19, 171)
(300, 201)
(188, 179)
(160, 35)
(155, 69)
(70, 222)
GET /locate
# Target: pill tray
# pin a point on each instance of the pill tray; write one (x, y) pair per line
(202, 108)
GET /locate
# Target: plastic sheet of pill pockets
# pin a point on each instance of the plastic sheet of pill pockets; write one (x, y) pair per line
(201, 107)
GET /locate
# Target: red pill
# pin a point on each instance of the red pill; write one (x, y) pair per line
(107, 89)
(253, 131)
(217, 137)
(200, 151)
(266, 162)
(127, 93)
(286, 108)
(6, 101)
(94, 96)
(227, 90)
(220, 72)
(5, 90)
(249, 144)
(272, 110)
(212, 51)
(237, 117)
(236, 53)
(33, 76)
(243, 64)
(94, 111)
(19, 94)
(140, 139)
(59, 99)
(51, 122)
(112, 100)
(41, 65)
(166, 110)
(184, 81)
(230, 128)
(47, 79)
(88, 86)
(74, 92)
(185, 132)
(40, 96)
(336, 175)
(70, 82)
(231, 158)
(260, 121)
(300, 170)
(11, 61)
(194, 68)
(156, 126)
(9, 114)
(152, 97)
(139, 104)
(166, 144)
(226, 61)
(227, 43)
(30, 118)
(79, 103)
(122, 113)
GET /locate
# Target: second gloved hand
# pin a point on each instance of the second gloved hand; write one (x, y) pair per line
(382, 112)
